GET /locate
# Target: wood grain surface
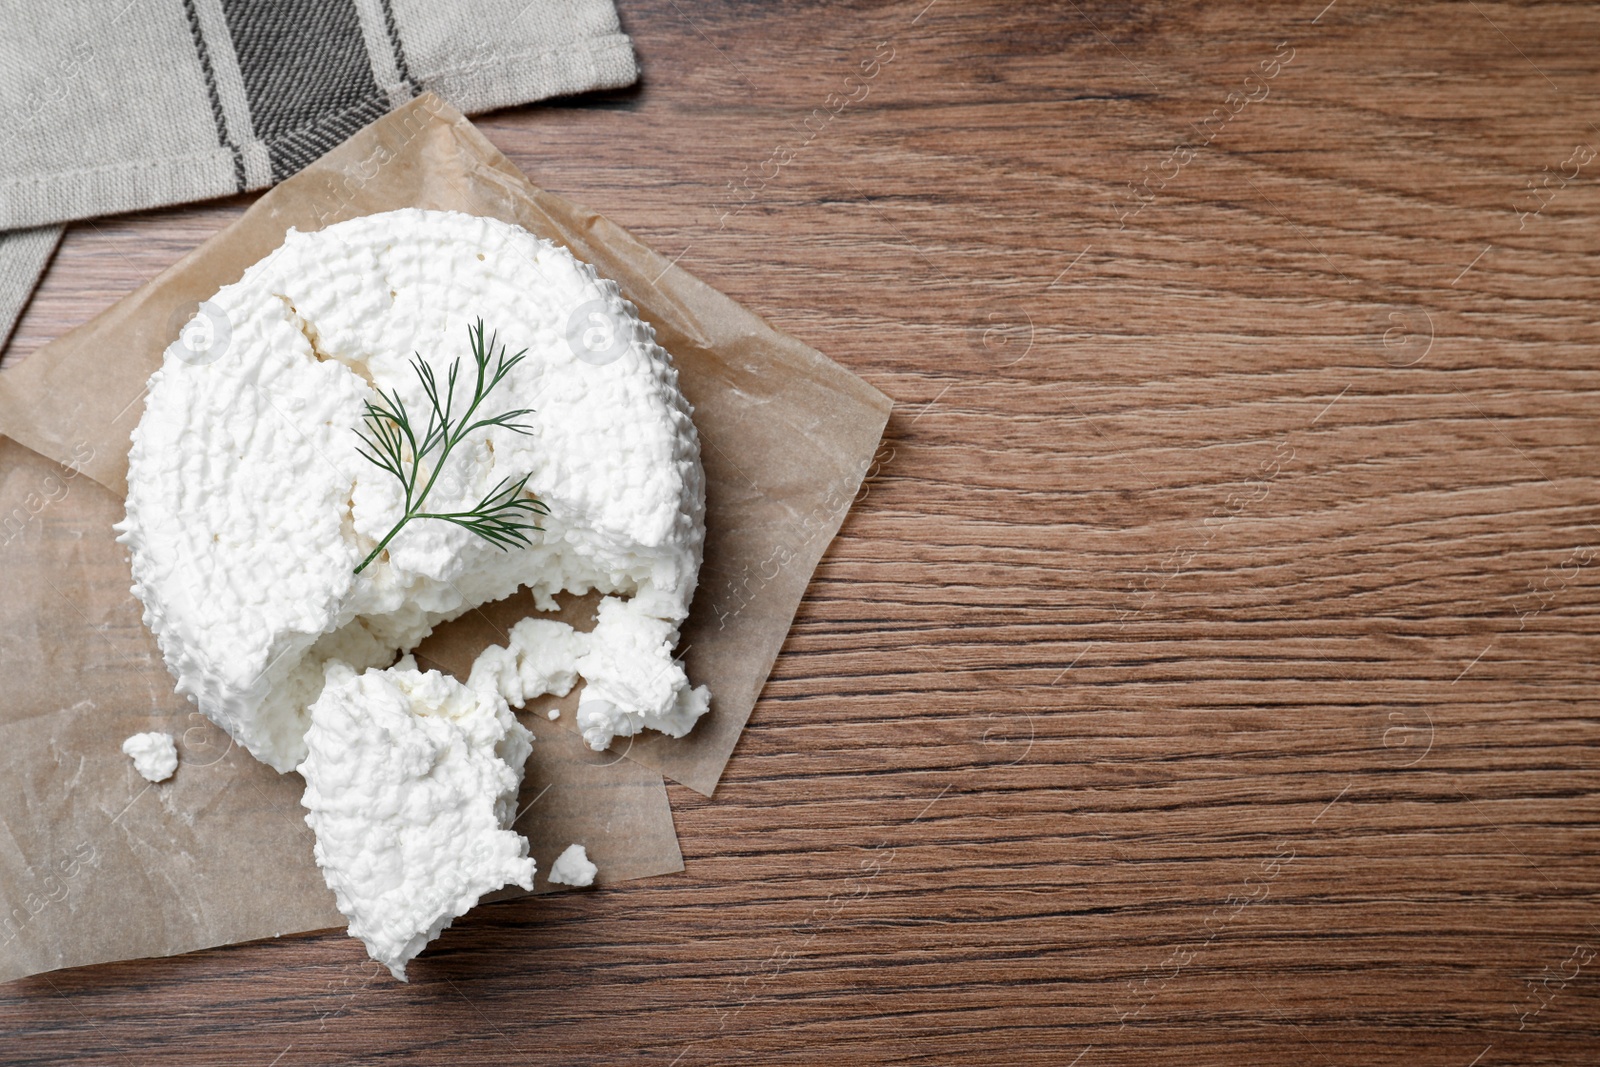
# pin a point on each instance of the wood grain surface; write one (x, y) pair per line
(1207, 673)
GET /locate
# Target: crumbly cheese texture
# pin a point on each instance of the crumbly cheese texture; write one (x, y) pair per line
(573, 867)
(154, 755)
(542, 657)
(249, 508)
(631, 680)
(411, 787)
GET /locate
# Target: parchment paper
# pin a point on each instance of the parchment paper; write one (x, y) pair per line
(97, 867)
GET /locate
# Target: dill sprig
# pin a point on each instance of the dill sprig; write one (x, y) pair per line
(389, 440)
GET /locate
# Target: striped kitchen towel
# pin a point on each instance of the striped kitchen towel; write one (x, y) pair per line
(113, 107)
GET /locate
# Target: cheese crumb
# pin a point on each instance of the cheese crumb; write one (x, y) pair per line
(631, 680)
(411, 788)
(572, 867)
(154, 755)
(541, 657)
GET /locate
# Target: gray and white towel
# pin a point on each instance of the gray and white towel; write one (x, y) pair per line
(133, 104)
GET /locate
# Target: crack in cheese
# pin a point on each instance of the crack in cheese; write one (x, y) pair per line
(248, 506)
(411, 789)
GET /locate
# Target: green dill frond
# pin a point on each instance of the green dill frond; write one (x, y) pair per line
(389, 441)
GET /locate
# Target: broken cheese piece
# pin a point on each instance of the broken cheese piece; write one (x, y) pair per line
(154, 755)
(411, 788)
(573, 867)
(631, 680)
(541, 658)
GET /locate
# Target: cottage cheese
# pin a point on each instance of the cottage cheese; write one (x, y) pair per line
(248, 506)
(542, 657)
(572, 867)
(154, 755)
(632, 681)
(411, 788)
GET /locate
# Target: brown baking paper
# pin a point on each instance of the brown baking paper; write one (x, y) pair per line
(95, 866)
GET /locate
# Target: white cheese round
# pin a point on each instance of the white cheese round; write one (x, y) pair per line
(249, 506)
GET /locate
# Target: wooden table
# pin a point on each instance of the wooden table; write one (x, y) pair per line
(1207, 675)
